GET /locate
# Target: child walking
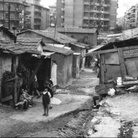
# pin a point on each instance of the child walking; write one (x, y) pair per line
(46, 101)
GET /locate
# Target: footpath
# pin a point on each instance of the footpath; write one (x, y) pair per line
(15, 123)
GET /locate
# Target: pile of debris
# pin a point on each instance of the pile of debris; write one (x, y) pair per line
(115, 116)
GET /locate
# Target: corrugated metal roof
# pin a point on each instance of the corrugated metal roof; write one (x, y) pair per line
(52, 34)
(81, 45)
(23, 45)
(76, 30)
(55, 49)
(56, 36)
(18, 48)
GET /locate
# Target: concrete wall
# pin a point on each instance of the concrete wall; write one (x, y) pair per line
(64, 69)
(59, 12)
(69, 13)
(45, 19)
(68, 61)
(113, 13)
(78, 13)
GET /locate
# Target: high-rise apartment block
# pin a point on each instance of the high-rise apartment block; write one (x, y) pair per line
(131, 17)
(24, 14)
(87, 13)
(13, 13)
(40, 16)
(52, 15)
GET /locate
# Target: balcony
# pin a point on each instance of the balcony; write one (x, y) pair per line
(37, 17)
(37, 11)
(106, 5)
(86, 3)
(105, 12)
(85, 25)
(106, 19)
(95, 4)
(86, 17)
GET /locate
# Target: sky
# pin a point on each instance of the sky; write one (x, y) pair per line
(123, 5)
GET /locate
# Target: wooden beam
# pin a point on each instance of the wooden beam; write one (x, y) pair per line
(15, 62)
(0, 76)
(6, 98)
(105, 51)
(102, 79)
(122, 63)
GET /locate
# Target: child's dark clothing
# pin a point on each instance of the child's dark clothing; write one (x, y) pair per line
(46, 101)
(46, 98)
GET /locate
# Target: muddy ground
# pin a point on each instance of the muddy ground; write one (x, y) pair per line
(70, 124)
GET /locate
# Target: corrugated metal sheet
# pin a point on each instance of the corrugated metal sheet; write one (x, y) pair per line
(55, 49)
(18, 48)
(52, 34)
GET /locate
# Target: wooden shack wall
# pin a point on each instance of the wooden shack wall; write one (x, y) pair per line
(118, 63)
(5, 65)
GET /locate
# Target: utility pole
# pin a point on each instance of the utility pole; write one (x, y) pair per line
(3, 14)
(9, 15)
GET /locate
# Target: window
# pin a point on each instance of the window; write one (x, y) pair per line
(102, 16)
(94, 23)
(102, 9)
(103, 2)
(95, 15)
(102, 23)
(95, 8)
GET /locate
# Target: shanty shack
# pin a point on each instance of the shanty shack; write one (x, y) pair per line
(18, 64)
(84, 35)
(61, 68)
(48, 36)
(117, 59)
(6, 35)
(51, 36)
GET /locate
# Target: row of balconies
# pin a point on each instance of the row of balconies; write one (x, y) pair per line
(91, 25)
(96, 18)
(97, 11)
(96, 4)
(11, 18)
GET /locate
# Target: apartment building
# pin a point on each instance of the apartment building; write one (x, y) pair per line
(52, 15)
(87, 13)
(40, 16)
(131, 17)
(13, 13)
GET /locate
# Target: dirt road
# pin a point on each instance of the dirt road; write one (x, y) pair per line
(72, 123)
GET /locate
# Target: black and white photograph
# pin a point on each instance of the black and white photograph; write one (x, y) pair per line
(69, 68)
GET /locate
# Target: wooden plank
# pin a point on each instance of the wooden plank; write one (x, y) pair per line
(130, 53)
(15, 65)
(122, 63)
(0, 75)
(102, 79)
(114, 50)
(6, 98)
(105, 51)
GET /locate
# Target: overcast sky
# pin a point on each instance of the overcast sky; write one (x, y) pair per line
(123, 5)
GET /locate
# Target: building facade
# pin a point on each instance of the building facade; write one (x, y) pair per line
(87, 13)
(40, 18)
(131, 17)
(13, 13)
(52, 15)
